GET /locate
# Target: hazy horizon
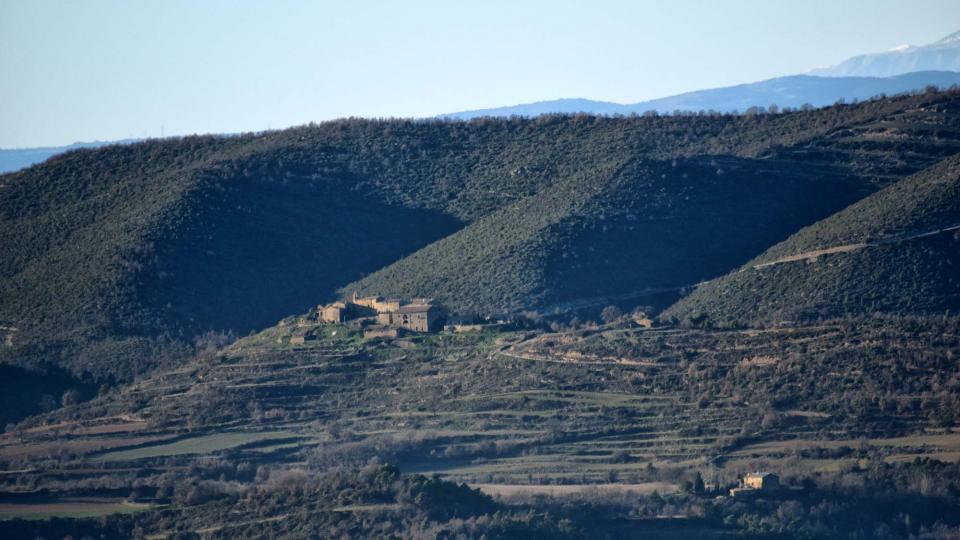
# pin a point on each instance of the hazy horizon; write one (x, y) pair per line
(108, 70)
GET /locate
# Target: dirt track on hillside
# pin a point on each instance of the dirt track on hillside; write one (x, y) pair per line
(812, 255)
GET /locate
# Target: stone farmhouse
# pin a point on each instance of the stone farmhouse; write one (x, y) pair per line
(336, 312)
(757, 482)
(763, 481)
(415, 315)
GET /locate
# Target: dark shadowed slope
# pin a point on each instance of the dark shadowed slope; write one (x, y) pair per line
(896, 251)
(111, 280)
(116, 259)
(639, 226)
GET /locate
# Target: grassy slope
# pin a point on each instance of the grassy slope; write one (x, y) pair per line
(910, 275)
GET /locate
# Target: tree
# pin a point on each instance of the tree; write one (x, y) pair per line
(70, 397)
(47, 403)
(698, 486)
(610, 314)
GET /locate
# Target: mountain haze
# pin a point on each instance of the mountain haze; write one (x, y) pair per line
(793, 91)
(903, 69)
(14, 159)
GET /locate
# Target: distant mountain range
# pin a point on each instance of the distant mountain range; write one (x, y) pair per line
(900, 70)
(903, 69)
(14, 159)
(944, 55)
(791, 91)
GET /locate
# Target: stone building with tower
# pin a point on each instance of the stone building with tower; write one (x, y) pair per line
(415, 315)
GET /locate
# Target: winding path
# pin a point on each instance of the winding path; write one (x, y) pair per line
(573, 305)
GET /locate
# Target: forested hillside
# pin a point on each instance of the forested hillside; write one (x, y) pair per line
(643, 226)
(896, 251)
(123, 258)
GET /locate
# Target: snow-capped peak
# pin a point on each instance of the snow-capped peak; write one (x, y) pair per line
(952, 38)
(943, 55)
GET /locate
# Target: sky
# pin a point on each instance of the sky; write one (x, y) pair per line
(113, 69)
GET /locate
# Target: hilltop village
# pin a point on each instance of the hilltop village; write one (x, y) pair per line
(383, 317)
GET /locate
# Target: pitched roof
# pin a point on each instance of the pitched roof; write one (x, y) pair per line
(415, 308)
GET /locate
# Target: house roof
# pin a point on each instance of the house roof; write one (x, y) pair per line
(415, 308)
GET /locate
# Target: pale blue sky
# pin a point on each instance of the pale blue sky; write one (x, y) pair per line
(101, 69)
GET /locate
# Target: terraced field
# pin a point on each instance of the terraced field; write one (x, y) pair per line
(204, 444)
(68, 508)
(595, 406)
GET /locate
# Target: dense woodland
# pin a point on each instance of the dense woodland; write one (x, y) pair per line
(168, 239)
(885, 504)
(906, 258)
